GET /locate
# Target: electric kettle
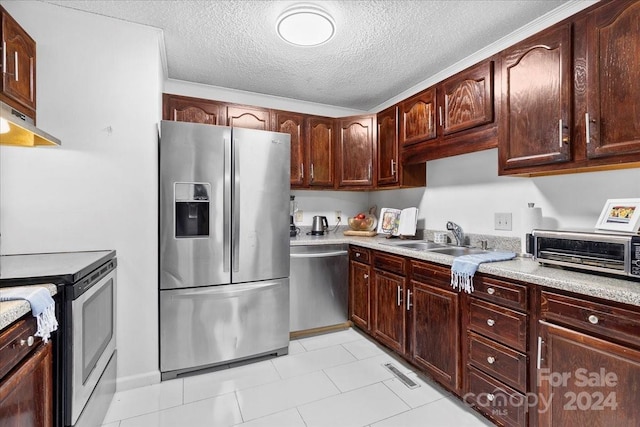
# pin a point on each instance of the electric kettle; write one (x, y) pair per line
(319, 225)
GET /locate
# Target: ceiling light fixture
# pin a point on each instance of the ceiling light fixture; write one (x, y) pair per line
(305, 25)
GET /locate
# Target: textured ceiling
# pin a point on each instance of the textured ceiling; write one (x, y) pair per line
(381, 48)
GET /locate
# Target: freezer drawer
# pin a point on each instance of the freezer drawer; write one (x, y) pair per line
(208, 326)
(319, 286)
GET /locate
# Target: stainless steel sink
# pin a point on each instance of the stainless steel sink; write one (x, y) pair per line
(420, 245)
(458, 251)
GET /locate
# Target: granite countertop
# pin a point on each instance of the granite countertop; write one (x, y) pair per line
(523, 269)
(10, 311)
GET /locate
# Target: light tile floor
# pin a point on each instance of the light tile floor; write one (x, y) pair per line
(331, 380)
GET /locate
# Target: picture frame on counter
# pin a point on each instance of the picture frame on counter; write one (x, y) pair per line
(620, 215)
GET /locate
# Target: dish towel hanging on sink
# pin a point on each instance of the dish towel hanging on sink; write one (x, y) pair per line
(42, 307)
(464, 267)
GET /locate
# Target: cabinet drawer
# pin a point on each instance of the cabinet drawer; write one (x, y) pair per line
(392, 263)
(611, 322)
(359, 254)
(14, 343)
(496, 399)
(431, 274)
(501, 292)
(502, 324)
(507, 365)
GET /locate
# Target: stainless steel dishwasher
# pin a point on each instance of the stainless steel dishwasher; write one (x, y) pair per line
(318, 286)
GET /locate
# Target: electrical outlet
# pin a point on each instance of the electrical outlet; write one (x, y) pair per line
(502, 221)
(298, 216)
(338, 216)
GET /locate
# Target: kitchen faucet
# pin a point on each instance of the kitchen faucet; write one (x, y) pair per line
(457, 232)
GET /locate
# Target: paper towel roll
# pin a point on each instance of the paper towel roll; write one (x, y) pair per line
(531, 218)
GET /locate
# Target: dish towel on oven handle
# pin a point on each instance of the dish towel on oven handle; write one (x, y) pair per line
(42, 307)
(464, 267)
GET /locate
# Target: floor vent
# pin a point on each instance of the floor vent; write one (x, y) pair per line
(402, 377)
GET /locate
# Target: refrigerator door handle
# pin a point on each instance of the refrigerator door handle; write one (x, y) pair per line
(226, 216)
(235, 236)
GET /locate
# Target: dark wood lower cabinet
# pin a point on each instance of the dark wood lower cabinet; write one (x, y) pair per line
(359, 291)
(389, 325)
(586, 381)
(26, 398)
(435, 336)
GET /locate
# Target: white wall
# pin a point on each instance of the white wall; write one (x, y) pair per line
(327, 203)
(466, 189)
(98, 90)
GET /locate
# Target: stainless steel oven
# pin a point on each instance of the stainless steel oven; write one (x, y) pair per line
(90, 351)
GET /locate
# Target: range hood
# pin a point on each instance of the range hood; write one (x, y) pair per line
(18, 129)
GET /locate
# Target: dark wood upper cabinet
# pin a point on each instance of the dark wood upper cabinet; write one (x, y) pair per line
(613, 80)
(387, 164)
(467, 99)
(194, 110)
(418, 118)
(356, 151)
(19, 66)
(536, 100)
(293, 124)
(248, 117)
(321, 152)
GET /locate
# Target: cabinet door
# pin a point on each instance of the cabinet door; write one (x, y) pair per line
(467, 99)
(321, 152)
(613, 80)
(19, 64)
(293, 124)
(387, 164)
(26, 396)
(248, 117)
(586, 380)
(417, 118)
(356, 151)
(193, 110)
(389, 319)
(536, 95)
(359, 275)
(435, 335)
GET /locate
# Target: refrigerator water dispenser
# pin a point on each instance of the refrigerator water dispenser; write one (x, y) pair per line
(192, 200)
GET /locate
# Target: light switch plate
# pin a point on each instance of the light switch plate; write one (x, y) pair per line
(502, 221)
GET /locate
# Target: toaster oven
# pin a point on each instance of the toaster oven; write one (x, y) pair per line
(611, 253)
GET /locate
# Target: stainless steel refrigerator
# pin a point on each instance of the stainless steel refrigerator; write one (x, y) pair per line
(224, 245)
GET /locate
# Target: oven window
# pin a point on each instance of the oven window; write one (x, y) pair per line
(97, 327)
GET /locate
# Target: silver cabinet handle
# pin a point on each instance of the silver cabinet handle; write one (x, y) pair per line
(429, 118)
(491, 322)
(4, 57)
(560, 132)
(409, 304)
(301, 170)
(491, 397)
(540, 342)
(357, 255)
(491, 291)
(311, 173)
(15, 64)
(587, 128)
(393, 167)
(28, 342)
(366, 276)
(369, 171)
(491, 360)
(440, 114)
(399, 294)
(593, 319)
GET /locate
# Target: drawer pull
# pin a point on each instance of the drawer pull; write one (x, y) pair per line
(491, 397)
(366, 276)
(491, 322)
(593, 319)
(491, 360)
(28, 342)
(491, 291)
(357, 254)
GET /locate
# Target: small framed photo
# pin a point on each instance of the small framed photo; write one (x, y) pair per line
(620, 215)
